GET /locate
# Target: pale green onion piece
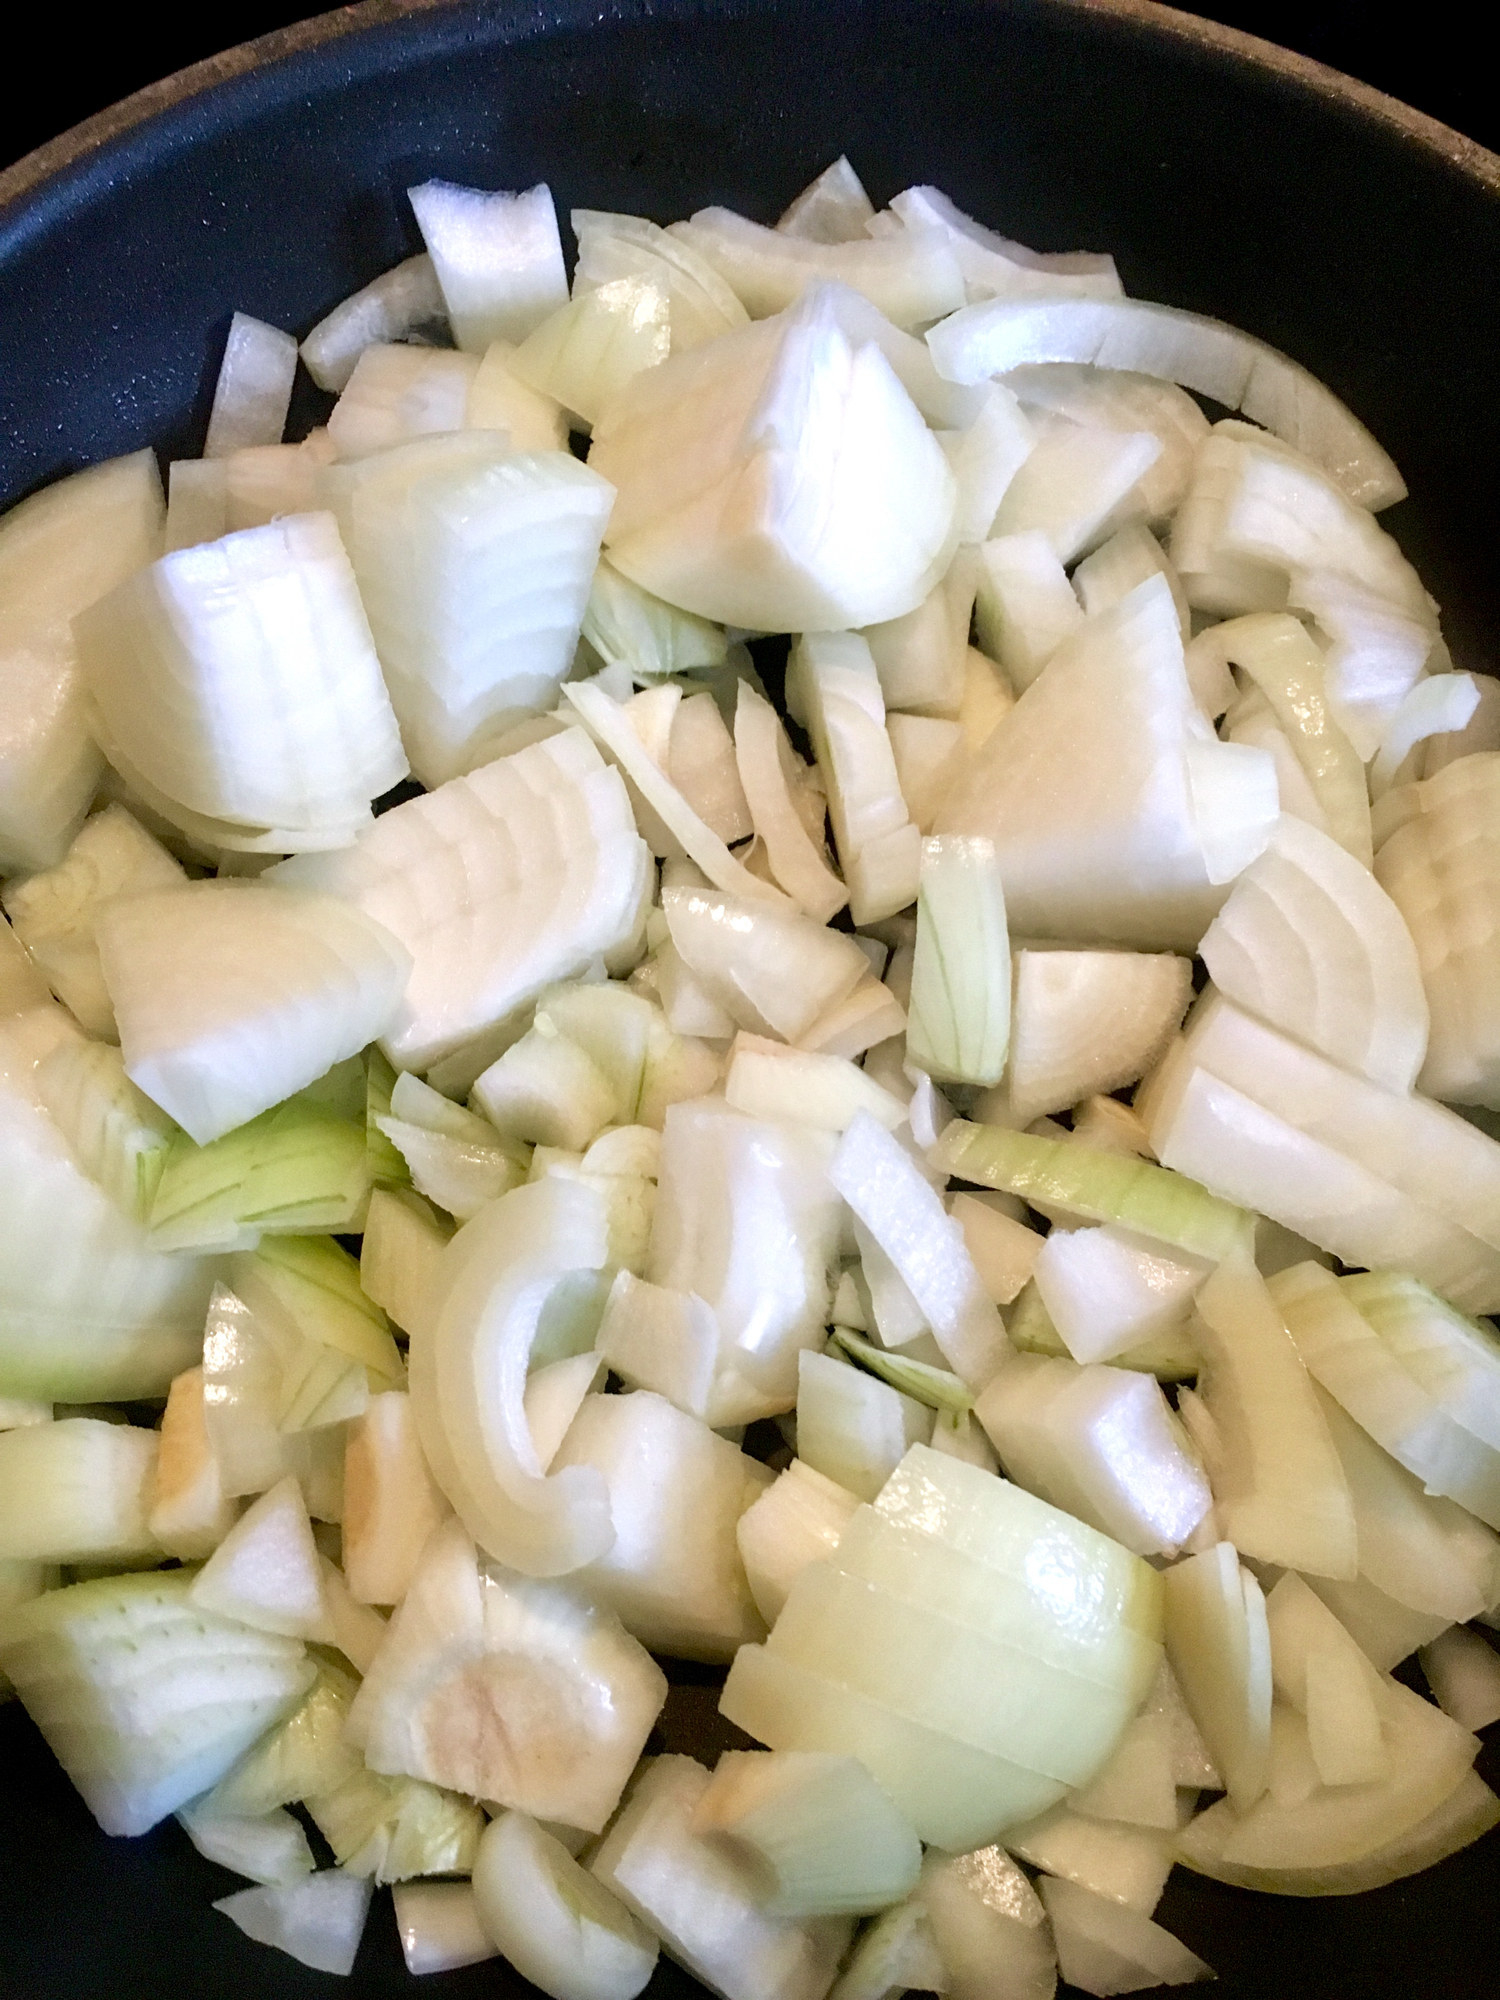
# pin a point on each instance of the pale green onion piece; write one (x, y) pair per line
(814, 1829)
(1455, 1359)
(1104, 1187)
(145, 1700)
(958, 1021)
(387, 1167)
(319, 1921)
(309, 1286)
(394, 1828)
(302, 1757)
(294, 1169)
(118, 1136)
(1276, 653)
(936, 1387)
(556, 1923)
(653, 638)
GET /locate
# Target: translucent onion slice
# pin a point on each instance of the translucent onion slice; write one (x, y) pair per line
(1464, 1675)
(319, 1921)
(627, 246)
(389, 308)
(895, 1954)
(796, 1521)
(438, 1924)
(989, 1928)
(769, 771)
(1310, 942)
(254, 388)
(1454, 1358)
(118, 1136)
(1375, 653)
(474, 566)
(834, 208)
(913, 278)
(1105, 1948)
(239, 677)
(1438, 706)
(497, 257)
(1025, 606)
(60, 551)
(1114, 399)
(500, 401)
(1275, 651)
(230, 996)
(1075, 481)
(1219, 1646)
(1200, 354)
(772, 968)
(653, 638)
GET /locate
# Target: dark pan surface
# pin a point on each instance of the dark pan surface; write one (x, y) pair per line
(1355, 236)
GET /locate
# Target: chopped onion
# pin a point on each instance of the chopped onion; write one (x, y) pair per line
(834, 208)
(583, 354)
(611, 247)
(500, 401)
(1075, 483)
(1200, 354)
(993, 266)
(958, 1018)
(1088, 1021)
(254, 389)
(438, 1924)
(395, 394)
(319, 1921)
(1437, 706)
(497, 257)
(913, 278)
(556, 1923)
(1219, 1644)
(396, 304)
(1104, 1948)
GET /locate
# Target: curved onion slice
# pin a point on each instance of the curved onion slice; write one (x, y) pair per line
(1374, 652)
(913, 278)
(834, 208)
(1116, 399)
(587, 351)
(627, 246)
(468, 1378)
(1274, 650)
(958, 1017)
(1200, 354)
(387, 309)
(1310, 942)
(1085, 1022)
(474, 565)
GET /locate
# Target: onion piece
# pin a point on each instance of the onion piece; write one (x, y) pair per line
(986, 453)
(913, 278)
(1437, 706)
(500, 401)
(254, 387)
(1279, 1486)
(396, 393)
(555, 1922)
(439, 1926)
(1074, 483)
(497, 257)
(389, 308)
(833, 208)
(1104, 1948)
(1310, 942)
(958, 1017)
(1464, 1675)
(1113, 399)
(853, 1428)
(772, 968)
(890, 1197)
(796, 1521)
(474, 566)
(1219, 1645)
(583, 354)
(993, 266)
(1025, 606)
(318, 1921)
(652, 637)
(60, 551)
(1275, 651)
(1204, 355)
(768, 770)
(612, 247)
(1088, 1021)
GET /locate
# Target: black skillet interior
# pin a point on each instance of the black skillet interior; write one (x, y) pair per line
(1221, 184)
